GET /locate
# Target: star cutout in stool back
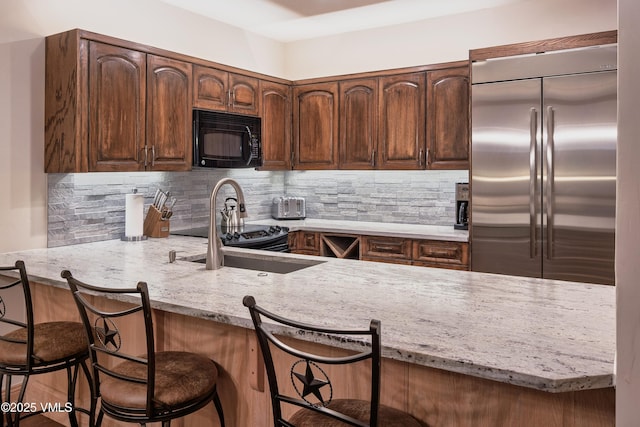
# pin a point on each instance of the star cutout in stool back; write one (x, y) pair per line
(310, 383)
(108, 334)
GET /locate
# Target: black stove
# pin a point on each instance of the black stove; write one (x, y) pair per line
(251, 236)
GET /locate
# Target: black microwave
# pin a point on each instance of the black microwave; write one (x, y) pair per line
(223, 140)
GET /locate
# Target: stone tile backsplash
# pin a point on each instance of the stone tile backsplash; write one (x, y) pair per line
(89, 207)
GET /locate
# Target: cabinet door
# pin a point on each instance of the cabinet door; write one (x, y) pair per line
(442, 254)
(402, 121)
(116, 108)
(244, 95)
(358, 124)
(315, 124)
(386, 249)
(448, 118)
(168, 114)
(275, 106)
(210, 88)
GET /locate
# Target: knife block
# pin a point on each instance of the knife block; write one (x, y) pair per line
(154, 225)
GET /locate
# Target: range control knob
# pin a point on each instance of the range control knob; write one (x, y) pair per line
(236, 235)
(228, 237)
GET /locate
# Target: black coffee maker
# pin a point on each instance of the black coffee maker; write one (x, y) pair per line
(462, 206)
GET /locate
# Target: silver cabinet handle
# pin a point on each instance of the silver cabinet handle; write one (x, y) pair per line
(153, 155)
(373, 158)
(146, 156)
(550, 179)
(420, 156)
(533, 180)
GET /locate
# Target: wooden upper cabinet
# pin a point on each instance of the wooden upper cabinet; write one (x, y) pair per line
(169, 139)
(401, 139)
(114, 108)
(448, 118)
(116, 125)
(358, 124)
(315, 126)
(275, 111)
(223, 91)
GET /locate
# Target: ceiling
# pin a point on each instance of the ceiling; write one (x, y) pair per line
(291, 20)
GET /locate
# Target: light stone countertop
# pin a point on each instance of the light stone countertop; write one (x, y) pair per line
(409, 231)
(547, 335)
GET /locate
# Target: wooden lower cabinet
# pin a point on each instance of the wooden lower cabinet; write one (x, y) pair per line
(397, 250)
(443, 254)
(304, 242)
(436, 397)
(386, 249)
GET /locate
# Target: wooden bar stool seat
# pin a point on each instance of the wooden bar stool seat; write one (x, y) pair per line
(33, 349)
(303, 382)
(135, 385)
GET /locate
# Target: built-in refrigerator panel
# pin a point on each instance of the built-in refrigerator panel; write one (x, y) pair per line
(579, 152)
(505, 201)
(543, 166)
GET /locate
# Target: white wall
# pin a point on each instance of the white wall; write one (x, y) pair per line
(627, 224)
(447, 39)
(23, 26)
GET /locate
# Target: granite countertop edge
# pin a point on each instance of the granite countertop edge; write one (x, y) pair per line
(437, 338)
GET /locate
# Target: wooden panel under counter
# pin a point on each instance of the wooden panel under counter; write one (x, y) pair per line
(442, 254)
(386, 249)
(436, 397)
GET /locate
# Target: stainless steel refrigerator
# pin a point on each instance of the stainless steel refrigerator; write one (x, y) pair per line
(543, 165)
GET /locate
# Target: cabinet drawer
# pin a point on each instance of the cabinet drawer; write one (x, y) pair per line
(388, 249)
(304, 242)
(441, 253)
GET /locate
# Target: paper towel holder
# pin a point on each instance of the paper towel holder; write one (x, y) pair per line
(133, 238)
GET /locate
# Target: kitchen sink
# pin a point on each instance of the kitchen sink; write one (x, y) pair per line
(264, 263)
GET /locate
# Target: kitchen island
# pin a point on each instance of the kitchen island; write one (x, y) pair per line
(460, 348)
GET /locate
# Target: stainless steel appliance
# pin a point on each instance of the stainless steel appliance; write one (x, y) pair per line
(223, 140)
(249, 236)
(286, 207)
(462, 206)
(230, 219)
(543, 172)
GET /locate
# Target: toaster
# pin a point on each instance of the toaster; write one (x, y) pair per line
(286, 207)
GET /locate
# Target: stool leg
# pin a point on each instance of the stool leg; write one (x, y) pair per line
(23, 389)
(92, 408)
(218, 404)
(72, 376)
(5, 420)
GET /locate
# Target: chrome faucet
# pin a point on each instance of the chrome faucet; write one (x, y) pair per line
(214, 246)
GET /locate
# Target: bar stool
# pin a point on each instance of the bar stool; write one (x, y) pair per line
(142, 388)
(311, 389)
(33, 349)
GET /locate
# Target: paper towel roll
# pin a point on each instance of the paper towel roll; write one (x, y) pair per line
(133, 215)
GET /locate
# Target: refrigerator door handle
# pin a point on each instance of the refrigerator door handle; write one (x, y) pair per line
(533, 180)
(550, 179)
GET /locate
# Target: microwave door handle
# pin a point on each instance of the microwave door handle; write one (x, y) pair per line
(250, 145)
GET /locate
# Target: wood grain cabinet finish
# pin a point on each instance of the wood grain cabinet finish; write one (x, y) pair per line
(117, 108)
(358, 124)
(304, 242)
(221, 90)
(315, 126)
(275, 111)
(168, 114)
(401, 139)
(448, 118)
(443, 254)
(113, 108)
(386, 249)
